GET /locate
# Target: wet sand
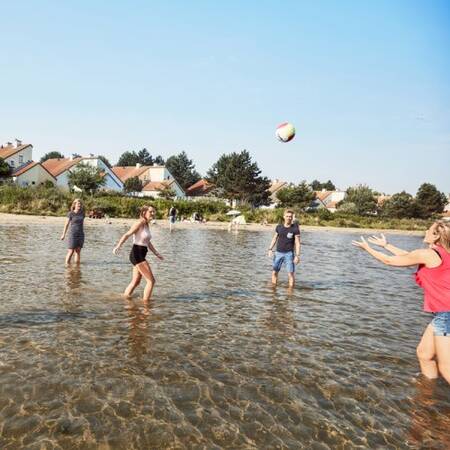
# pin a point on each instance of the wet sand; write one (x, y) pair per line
(16, 219)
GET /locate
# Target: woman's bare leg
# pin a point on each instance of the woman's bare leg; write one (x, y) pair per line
(69, 255)
(146, 272)
(442, 345)
(134, 283)
(426, 352)
(78, 255)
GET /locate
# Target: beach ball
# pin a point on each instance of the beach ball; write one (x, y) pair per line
(285, 132)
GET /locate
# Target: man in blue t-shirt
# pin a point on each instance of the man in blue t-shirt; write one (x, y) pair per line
(287, 238)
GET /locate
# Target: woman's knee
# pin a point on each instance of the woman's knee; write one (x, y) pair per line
(424, 354)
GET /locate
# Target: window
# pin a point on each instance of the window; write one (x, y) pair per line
(11, 163)
(33, 182)
(20, 159)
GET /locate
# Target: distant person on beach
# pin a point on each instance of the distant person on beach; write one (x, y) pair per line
(141, 243)
(74, 224)
(433, 275)
(172, 217)
(287, 240)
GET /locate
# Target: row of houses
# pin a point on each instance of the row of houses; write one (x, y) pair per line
(26, 172)
(155, 178)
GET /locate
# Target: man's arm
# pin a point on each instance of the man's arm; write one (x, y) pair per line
(297, 249)
(272, 244)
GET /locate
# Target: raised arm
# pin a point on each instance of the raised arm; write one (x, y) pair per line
(129, 233)
(421, 256)
(382, 242)
(272, 244)
(66, 226)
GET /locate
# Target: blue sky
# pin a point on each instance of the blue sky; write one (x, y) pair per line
(367, 84)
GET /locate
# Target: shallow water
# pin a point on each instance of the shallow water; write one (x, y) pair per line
(219, 359)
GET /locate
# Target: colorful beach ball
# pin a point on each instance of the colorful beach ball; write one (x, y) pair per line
(285, 132)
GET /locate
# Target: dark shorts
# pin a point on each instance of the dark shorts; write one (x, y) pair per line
(138, 254)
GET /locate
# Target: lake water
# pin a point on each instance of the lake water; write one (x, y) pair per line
(220, 359)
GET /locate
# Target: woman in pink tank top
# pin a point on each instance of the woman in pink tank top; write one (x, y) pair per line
(433, 275)
(141, 244)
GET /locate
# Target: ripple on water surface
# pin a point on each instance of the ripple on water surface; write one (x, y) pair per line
(219, 359)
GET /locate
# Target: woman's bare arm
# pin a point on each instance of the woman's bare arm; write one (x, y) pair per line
(420, 256)
(382, 242)
(129, 233)
(66, 226)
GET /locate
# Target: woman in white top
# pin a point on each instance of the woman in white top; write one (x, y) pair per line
(141, 243)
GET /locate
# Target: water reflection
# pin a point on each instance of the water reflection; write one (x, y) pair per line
(219, 358)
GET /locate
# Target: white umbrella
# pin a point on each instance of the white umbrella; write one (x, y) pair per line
(233, 212)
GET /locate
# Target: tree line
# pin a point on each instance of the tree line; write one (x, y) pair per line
(235, 176)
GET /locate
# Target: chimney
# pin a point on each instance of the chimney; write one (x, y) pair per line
(138, 165)
(18, 142)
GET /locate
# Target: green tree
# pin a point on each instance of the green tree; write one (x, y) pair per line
(239, 178)
(429, 201)
(128, 159)
(105, 160)
(133, 184)
(167, 194)
(86, 178)
(399, 206)
(329, 186)
(183, 169)
(316, 185)
(51, 155)
(5, 170)
(362, 199)
(145, 158)
(298, 196)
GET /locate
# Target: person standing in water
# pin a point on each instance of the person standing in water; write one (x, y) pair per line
(287, 239)
(433, 275)
(141, 243)
(172, 217)
(74, 223)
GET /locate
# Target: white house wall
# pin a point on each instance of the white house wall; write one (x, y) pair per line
(20, 158)
(34, 176)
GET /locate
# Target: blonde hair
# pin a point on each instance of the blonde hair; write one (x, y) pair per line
(144, 209)
(288, 211)
(72, 206)
(443, 230)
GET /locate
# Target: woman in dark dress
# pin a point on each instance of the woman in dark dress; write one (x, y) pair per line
(74, 223)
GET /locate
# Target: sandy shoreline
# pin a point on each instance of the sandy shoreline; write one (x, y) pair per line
(20, 219)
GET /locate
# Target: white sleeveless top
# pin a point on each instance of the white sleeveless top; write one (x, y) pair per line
(142, 236)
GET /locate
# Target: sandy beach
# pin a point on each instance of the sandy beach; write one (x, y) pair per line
(16, 219)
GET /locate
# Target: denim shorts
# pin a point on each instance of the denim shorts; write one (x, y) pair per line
(284, 258)
(441, 323)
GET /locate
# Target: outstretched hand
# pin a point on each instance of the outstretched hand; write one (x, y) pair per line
(116, 250)
(378, 240)
(362, 244)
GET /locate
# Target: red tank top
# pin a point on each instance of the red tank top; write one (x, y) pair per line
(436, 283)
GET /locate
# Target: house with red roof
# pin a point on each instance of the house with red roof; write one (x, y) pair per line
(154, 178)
(327, 199)
(61, 167)
(199, 189)
(24, 171)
